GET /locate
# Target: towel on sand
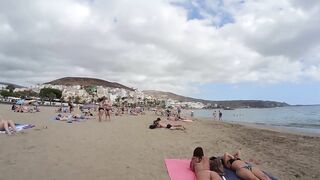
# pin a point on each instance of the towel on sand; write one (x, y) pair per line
(20, 127)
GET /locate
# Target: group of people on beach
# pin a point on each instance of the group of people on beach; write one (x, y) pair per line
(25, 108)
(213, 168)
(215, 114)
(105, 107)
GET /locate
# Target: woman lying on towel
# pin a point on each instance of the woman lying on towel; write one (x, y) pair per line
(158, 124)
(200, 166)
(242, 169)
(6, 124)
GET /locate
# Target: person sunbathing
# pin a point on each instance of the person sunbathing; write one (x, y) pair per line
(61, 117)
(200, 166)
(8, 126)
(242, 169)
(158, 124)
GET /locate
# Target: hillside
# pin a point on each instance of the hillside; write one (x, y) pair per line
(14, 85)
(232, 103)
(83, 81)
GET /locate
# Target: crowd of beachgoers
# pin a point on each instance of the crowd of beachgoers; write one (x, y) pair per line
(203, 167)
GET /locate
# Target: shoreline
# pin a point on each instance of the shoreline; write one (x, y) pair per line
(280, 129)
(276, 128)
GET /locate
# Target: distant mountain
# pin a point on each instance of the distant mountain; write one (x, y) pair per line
(231, 104)
(83, 81)
(14, 85)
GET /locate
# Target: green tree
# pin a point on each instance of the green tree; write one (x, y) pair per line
(10, 87)
(5, 93)
(50, 94)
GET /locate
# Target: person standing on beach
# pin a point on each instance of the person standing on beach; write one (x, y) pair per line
(70, 107)
(220, 115)
(214, 114)
(179, 110)
(102, 108)
(108, 107)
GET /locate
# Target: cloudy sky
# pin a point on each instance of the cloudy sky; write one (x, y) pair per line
(211, 49)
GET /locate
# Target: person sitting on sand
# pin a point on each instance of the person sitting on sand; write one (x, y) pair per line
(87, 113)
(200, 166)
(242, 169)
(158, 124)
(13, 107)
(7, 125)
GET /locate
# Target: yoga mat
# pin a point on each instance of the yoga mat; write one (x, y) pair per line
(179, 169)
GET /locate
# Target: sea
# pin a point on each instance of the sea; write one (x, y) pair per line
(303, 119)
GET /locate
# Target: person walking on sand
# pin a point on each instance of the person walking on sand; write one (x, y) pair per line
(220, 115)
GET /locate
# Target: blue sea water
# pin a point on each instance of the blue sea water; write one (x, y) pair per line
(295, 118)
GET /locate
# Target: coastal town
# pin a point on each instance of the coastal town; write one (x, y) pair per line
(79, 94)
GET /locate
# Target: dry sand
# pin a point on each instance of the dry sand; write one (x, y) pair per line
(126, 149)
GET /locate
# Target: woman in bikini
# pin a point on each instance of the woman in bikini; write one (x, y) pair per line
(243, 170)
(158, 124)
(108, 107)
(200, 166)
(101, 108)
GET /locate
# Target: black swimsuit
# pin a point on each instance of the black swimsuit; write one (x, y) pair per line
(233, 160)
(230, 161)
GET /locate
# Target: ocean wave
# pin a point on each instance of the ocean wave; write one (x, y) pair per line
(301, 125)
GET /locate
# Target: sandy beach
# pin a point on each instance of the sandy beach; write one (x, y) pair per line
(126, 149)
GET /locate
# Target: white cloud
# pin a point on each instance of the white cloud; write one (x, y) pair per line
(152, 45)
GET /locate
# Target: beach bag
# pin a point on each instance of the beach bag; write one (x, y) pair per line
(216, 165)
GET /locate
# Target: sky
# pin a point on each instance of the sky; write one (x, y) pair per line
(209, 49)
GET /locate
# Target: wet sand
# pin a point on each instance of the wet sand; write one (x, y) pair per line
(126, 149)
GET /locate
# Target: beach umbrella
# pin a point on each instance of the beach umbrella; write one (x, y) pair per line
(20, 101)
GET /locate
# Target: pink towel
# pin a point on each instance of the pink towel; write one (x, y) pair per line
(179, 169)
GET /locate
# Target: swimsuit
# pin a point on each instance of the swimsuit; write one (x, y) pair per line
(248, 166)
(169, 126)
(233, 160)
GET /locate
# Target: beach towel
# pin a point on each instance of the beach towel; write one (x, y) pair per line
(21, 127)
(71, 119)
(179, 169)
